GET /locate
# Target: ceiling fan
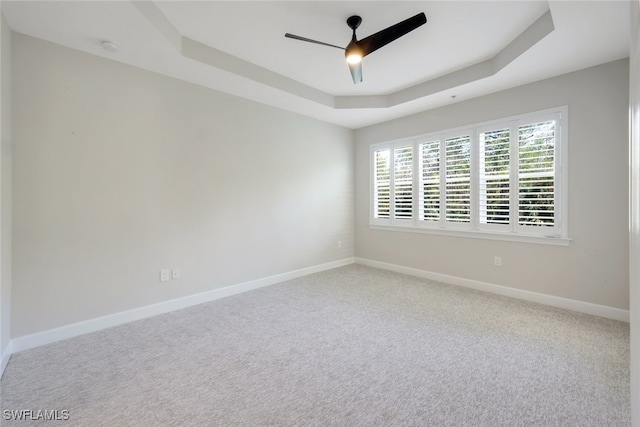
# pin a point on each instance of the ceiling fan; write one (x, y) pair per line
(358, 49)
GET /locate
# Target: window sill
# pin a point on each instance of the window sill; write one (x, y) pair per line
(474, 234)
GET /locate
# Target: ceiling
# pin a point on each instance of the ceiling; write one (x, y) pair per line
(466, 49)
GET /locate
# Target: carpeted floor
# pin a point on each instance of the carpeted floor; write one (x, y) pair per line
(354, 346)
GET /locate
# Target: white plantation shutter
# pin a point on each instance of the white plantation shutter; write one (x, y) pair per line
(494, 177)
(403, 182)
(536, 174)
(458, 179)
(506, 179)
(430, 181)
(382, 184)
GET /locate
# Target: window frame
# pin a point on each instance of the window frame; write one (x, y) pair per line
(558, 234)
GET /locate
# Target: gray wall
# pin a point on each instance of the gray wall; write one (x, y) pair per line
(5, 187)
(594, 267)
(128, 172)
(119, 173)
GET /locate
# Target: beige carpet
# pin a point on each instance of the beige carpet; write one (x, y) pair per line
(354, 346)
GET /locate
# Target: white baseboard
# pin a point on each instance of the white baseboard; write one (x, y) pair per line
(69, 331)
(4, 359)
(560, 302)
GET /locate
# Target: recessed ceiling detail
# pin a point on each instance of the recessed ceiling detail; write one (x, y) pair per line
(467, 48)
(216, 58)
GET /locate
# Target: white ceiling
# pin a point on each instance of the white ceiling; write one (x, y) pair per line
(466, 48)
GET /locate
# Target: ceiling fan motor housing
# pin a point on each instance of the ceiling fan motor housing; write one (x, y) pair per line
(354, 22)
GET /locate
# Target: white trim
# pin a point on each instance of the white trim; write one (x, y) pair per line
(4, 360)
(479, 234)
(554, 301)
(76, 329)
(634, 209)
(69, 331)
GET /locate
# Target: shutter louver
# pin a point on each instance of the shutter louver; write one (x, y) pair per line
(458, 179)
(494, 177)
(536, 174)
(430, 181)
(403, 182)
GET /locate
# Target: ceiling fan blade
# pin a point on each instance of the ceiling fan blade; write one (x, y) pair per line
(356, 72)
(383, 37)
(304, 39)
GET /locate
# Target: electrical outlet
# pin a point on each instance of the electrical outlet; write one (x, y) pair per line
(339, 243)
(175, 273)
(165, 275)
(497, 261)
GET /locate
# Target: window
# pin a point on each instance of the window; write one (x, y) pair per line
(403, 183)
(457, 183)
(504, 179)
(382, 183)
(430, 181)
(494, 177)
(536, 174)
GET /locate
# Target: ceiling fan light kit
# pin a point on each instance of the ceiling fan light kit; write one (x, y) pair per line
(358, 49)
(353, 52)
